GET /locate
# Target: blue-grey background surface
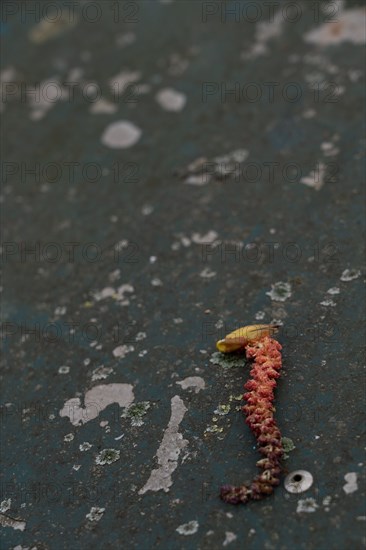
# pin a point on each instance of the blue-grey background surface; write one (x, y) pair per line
(199, 259)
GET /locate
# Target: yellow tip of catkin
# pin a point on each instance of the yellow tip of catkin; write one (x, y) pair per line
(241, 336)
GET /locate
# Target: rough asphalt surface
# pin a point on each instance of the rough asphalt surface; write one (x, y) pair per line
(173, 170)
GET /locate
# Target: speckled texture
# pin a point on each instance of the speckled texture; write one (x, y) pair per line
(164, 295)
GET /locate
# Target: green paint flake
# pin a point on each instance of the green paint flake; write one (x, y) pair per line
(215, 429)
(107, 456)
(288, 446)
(136, 412)
(235, 397)
(228, 360)
(222, 410)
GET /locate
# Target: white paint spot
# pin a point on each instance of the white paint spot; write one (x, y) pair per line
(259, 316)
(103, 107)
(349, 27)
(229, 537)
(122, 80)
(5, 505)
(96, 400)
(95, 513)
(306, 505)
(169, 450)
(334, 290)
(101, 373)
(122, 351)
(189, 528)
(208, 238)
(121, 135)
(207, 273)
(280, 291)
(171, 100)
(328, 302)
(68, 437)
(84, 447)
(195, 382)
(156, 282)
(351, 486)
(316, 177)
(350, 275)
(64, 369)
(198, 179)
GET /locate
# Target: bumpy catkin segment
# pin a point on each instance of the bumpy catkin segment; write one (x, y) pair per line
(259, 416)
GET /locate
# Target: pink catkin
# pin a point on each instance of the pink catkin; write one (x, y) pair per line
(259, 417)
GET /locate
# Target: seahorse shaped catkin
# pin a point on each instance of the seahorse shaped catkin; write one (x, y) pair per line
(267, 361)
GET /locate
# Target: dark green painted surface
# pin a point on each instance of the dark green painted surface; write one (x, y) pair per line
(320, 398)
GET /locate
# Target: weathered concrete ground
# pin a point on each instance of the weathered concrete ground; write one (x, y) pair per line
(225, 154)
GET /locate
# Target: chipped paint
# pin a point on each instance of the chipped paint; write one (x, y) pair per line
(121, 135)
(189, 528)
(351, 486)
(169, 450)
(195, 382)
(171, 100)
(7, 521)
(96, 400)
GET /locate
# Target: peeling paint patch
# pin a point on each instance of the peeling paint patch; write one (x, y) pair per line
(189, 528)
(350, 275)
(171, 100)
(96, 400)
(195, 382)
(349, 27)
(121, 135)
(17, 524)
(169, 450)
(351, 486)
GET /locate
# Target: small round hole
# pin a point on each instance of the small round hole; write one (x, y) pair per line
(297, 477)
